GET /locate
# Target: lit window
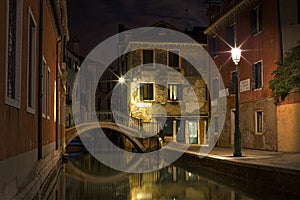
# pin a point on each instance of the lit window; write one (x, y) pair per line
(259, 122)
(174, 92)
(146, 91)
(44, 87)
(173, 59)
(13, 48)
(48, 93)
(257, 75)
(31, 63)
(256, 20)
(147, 56)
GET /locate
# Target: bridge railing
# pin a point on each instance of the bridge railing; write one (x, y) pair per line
(121, 119)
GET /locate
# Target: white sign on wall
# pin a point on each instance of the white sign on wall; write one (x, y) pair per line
(245, 85)
(224, 92)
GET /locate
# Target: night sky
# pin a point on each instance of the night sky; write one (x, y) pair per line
(92, 21)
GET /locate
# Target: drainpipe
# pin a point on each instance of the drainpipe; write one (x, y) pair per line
(280, 29)
(57, 95)
(40, 84)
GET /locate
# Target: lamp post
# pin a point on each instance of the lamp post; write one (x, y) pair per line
(236, 56)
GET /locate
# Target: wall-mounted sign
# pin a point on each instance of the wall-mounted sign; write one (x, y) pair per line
(245, 85)
(224, 92)
(143, 105)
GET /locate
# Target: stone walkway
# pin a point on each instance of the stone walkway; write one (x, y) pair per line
(283, 160)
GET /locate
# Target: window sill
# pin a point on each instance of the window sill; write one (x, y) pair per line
(12, 102)
(30, 110)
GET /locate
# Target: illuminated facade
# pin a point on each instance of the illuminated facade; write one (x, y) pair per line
(264, 30)
(149, 101)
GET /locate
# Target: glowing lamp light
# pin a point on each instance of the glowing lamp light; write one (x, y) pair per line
(236, 55)
(121, 80)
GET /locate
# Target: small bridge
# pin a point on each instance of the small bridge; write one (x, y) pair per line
(107, 122)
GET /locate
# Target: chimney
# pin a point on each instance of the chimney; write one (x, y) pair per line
(76, 46)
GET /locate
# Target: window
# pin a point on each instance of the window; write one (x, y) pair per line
(259, 122)
(13, 54)
(216, 88)
(256, 20)
(147, 56)
(257, 75)
(173, 59)
(44, 87)
(31, 63)
(48, 94)
(230, 35)
(216, 127)
(213, 46)
(146, 91)
(174, 92)
(298, 11)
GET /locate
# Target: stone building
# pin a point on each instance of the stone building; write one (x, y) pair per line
(264, 30)
(174, 100)
(33, 35)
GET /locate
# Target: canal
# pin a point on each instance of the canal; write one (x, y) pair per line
(84, 177)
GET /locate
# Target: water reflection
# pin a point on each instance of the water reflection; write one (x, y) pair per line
(86, 178)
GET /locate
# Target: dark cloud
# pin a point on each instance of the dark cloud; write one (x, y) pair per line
(93, 21)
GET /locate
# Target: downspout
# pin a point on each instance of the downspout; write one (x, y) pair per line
(56, 95)
(40, 83)
(280, 29)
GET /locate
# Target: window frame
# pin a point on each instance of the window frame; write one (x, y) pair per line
(171, 51)
(44, 88)
(256, 20)
(141, 88)
(153, 56)
(48, 93)
(31, 56)
(179, 92)
(254, 75)
(16, 100)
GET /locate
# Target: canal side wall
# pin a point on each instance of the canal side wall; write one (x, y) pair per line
(243, 175)
(22, 176)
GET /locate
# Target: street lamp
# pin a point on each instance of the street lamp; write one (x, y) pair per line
(121, 80)
(236, 57)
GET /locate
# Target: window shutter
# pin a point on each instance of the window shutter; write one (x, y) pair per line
(253, 77)
(150, 91)
(252, 22)
(180, 92)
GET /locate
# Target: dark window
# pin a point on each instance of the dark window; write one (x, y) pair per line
(216, 124)
(213, 46)
(11, 50)
(147, 56)
(259, 120)
(173, 59)
(256, 20)
(146, 91)
(298, 11)
(31, 62)
(216, 88)
(257, 75)
(230, 35)
(174, 92)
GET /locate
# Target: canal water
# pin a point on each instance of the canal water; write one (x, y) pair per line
(84, 177)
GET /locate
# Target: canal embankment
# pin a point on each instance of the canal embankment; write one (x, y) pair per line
(276, 171)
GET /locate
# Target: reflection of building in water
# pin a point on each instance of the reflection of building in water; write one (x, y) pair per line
(182, 114)
(174, 183)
